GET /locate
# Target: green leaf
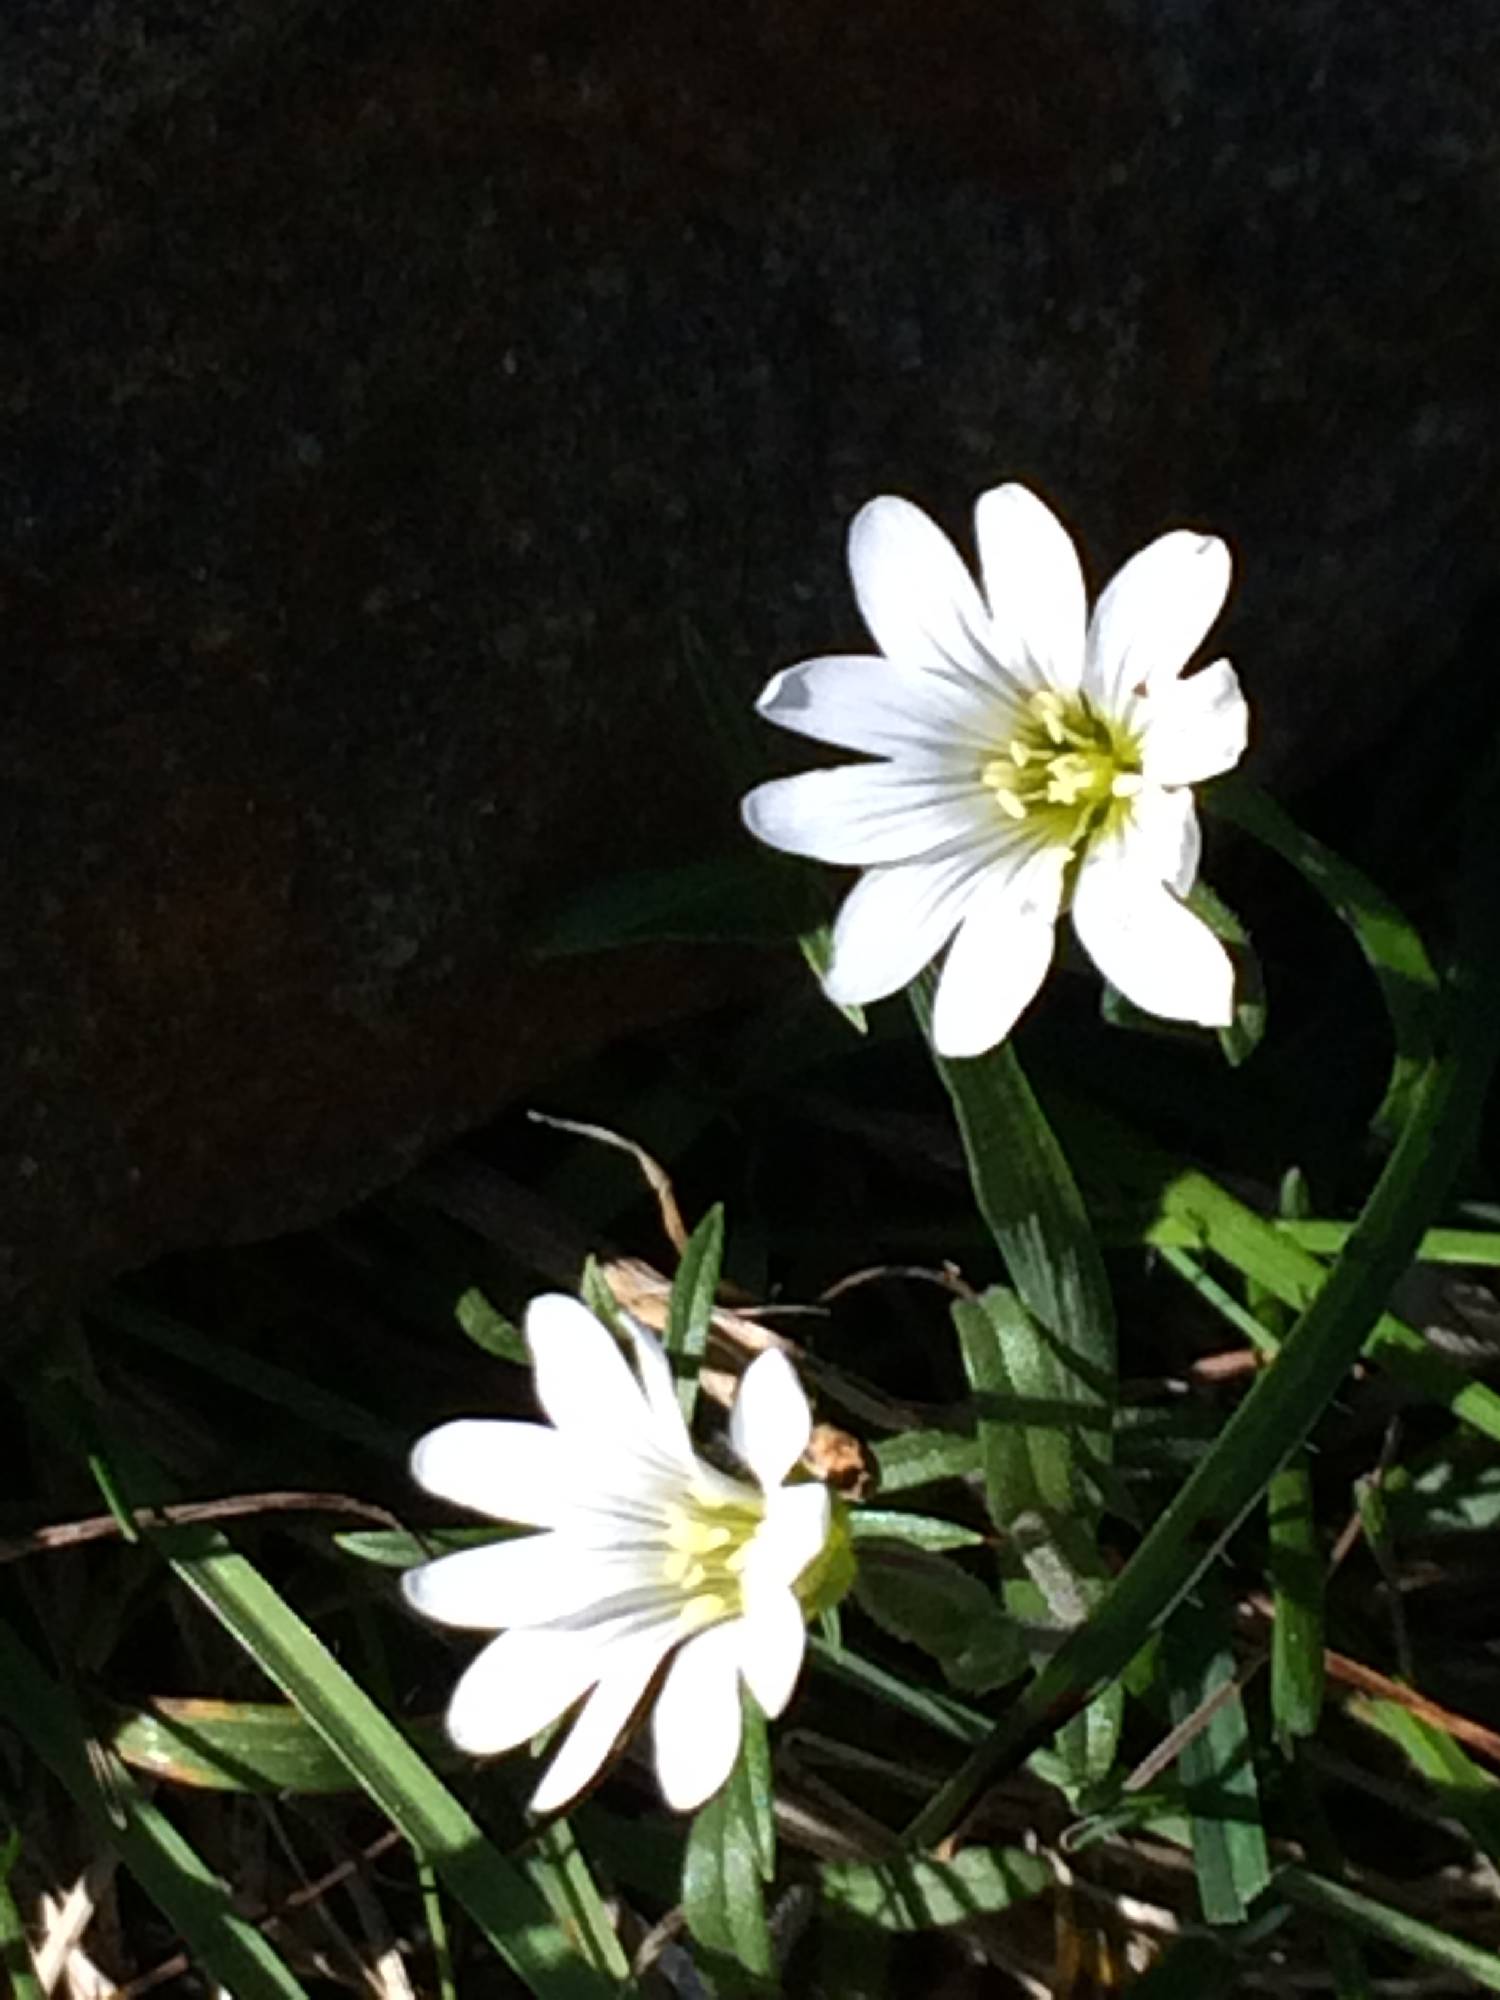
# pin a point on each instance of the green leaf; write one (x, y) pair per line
(816, 945)
(1391, 1926)
(923, 1895)
(1465, 1790)
(1036, 1432)
(239, 1746)
(1244, 1035)
(382, 1761)
(1216, 1763)
(1286, 1401)
(922, 1531)
(186, 1891)
(932, 1603)
(399, 1548)
(924, 1458)
(690, 1311)
(1296, 1573)
(730, 1858)
(490, 1329)
(16, 1963)
(1028, 1198)
(1391, 945)
(1035, 1447)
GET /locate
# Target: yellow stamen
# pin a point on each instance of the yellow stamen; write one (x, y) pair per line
(1068, 770)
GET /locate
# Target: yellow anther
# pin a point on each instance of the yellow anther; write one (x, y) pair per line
(1067, 769)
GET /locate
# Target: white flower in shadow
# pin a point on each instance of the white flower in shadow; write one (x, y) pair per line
(1033, 758)
(645, 1556)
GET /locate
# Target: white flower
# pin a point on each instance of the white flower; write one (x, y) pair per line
(1033, 758)
(644, 1552)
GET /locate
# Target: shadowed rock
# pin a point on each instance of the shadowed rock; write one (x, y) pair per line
(404, 406)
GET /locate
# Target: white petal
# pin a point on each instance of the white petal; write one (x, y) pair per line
(1155, 615)
(1161, 836)
(513, 1472)
(607, 1711)
(862, 702)
(697, 1721)
(1194, 729)
(531, 1581)
(772, 1641)
(862, 814)
(660, 1390)
(999, 958)
(894, 921)
(1151, 946)
(1034, 585)
(517, 1685)
(792, 1535)
(583, 1381)
(915, 594)
(770, 1423)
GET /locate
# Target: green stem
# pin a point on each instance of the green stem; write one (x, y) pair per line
(1280, 1410)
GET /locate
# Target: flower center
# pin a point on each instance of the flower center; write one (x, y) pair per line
(1068, 772)
(707, 1540)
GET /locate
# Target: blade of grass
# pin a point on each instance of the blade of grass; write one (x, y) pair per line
(1192, 1209)
(1392, 948)
(1392, 1926)
(1026, 1193)
(1286, 1401)
(16, 1962)
(1296, 1571)
(501, 1902)
(690, 1310)
(186, 1891)
(1467, 1792)
(1216, 1763)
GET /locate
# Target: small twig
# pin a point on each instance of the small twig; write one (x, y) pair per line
(181, 1514)
(657, 1177)
(948, 1278)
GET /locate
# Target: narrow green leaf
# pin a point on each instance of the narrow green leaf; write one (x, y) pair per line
(490, 1329)
(1465, 1790)
(1036, 1444)
(560, 1871)
(1286, 1401)
(1216, 1764)
(1192, 1209)
(816, 946)
(383, 1763)
(1391, 945)
(186, 1891)
(1030, 1202)
(400, 1548)
(922, 1895)
(924, 1458)
(16, 1964)
(727, 1863)
(922, 1531)
(241, 1746)
(1296, 1572)
(1392, 1926)
(1036, 1431)
(690, 1311)
(932, 1603)
(936, 1711)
